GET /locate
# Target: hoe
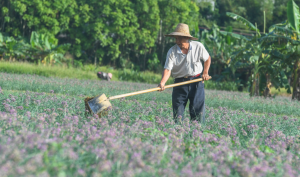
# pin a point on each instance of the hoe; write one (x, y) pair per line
(100, 104)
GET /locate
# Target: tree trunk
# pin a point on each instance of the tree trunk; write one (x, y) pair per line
(163, 50)
(254, 90)
(145, 54)
(257, 84)
(296, 82)
(298, 86)
(267, 91)
(95, 58)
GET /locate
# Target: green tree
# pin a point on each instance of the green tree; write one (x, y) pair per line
(253, 10)
(207, 13)
(51, 17)
(173, 12)
(119, 33)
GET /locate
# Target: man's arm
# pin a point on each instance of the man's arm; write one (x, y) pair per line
(165, 76)
(205, 75)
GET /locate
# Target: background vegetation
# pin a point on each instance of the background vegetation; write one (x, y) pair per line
(129, 34)
(88, 72)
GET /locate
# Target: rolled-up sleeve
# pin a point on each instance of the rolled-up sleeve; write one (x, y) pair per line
(169, 60)
(204, 55)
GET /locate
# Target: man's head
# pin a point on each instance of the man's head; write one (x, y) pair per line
(182, 30)
(182, 41)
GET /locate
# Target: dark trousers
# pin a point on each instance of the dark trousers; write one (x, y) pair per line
(193, 92)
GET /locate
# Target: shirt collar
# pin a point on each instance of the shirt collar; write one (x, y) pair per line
(179, 50)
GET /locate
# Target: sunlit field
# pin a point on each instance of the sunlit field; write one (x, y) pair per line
(45, 132)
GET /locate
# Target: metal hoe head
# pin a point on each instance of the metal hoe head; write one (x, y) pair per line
(99, 103)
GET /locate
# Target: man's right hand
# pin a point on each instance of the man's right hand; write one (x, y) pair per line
(162, 86)
(165, 76)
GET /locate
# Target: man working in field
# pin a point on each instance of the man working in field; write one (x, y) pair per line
(183, 59)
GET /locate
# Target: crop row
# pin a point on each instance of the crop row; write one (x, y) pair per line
(49, 134)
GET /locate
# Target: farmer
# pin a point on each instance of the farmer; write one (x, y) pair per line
(183, 59)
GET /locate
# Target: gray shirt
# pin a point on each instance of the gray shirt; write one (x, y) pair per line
(189, 64)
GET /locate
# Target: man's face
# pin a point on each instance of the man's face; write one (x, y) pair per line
(180, 41)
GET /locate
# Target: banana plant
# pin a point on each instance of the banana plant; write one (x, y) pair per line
(258, 56)
(221, 47)
(251, 54)
(11, 48)
(293, 15)
(45, 49)
(285, 37)
(40, 48)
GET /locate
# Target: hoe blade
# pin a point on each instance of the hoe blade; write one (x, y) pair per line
(99, 104)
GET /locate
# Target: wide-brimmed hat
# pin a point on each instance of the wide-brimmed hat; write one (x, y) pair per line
(182, 30)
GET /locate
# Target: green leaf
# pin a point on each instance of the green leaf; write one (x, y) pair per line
(5, 10)
(253, 59)
(266, 149)
(33, 39)
(47, 44)
(243, 20)
(293, 15)
(62, 174)
(1, 38)
(6, 18)
(211, 132)
(281, 30)
(237, 36)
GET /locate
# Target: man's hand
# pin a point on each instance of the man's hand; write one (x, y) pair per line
(165, 76)
(162, 86)
(205, 76)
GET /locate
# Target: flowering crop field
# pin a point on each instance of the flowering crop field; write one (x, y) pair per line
(44, 132)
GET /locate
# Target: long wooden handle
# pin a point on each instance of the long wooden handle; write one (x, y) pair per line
(155, 89)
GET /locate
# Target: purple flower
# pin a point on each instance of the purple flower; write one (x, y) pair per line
(20, 107)
(105, 166)
(81, 172)
(64, 103)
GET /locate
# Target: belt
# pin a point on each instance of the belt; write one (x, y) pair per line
(191, 76)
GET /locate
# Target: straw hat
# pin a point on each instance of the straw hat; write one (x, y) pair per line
(182, 30)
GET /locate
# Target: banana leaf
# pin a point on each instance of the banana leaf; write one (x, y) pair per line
(242, 20)
(293, 15)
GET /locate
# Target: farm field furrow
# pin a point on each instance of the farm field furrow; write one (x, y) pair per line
(44, 131)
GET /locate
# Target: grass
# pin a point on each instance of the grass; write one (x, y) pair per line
(89, 72)
(44, 132)
(86, 72)
(214, 98)
(281, 92)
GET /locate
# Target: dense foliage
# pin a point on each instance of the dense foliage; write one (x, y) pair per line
(270, 58)
(130, 34)
(122, 33)
(126, 33)
(46, 133)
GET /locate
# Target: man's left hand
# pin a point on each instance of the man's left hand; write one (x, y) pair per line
(205, 77)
